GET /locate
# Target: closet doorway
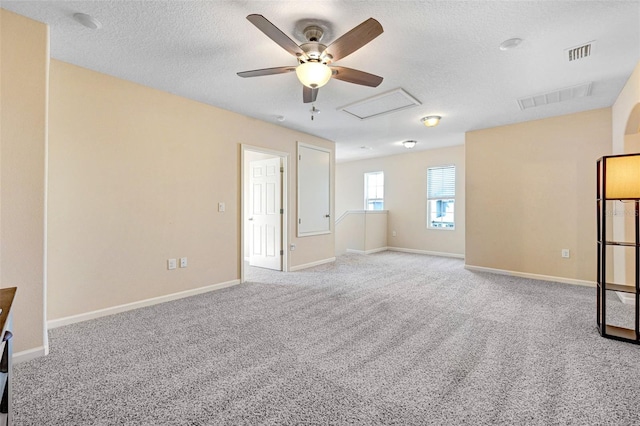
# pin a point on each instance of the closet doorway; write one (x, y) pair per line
(264, 201)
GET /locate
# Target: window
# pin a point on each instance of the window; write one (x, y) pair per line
(374, 191)
(441, 194)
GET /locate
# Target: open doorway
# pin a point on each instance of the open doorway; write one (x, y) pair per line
(264, 212)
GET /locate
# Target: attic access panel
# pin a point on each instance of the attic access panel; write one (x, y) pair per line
(384, 103)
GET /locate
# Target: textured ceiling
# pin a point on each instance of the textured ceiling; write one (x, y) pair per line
(444, 53)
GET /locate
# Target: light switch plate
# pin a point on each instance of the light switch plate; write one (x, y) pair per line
(171, 264)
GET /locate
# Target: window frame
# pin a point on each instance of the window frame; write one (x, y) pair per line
(366, 190)
(449, 195)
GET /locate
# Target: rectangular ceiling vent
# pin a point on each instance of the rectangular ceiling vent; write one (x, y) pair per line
(384, 103)
(579, 52)
(562, 95)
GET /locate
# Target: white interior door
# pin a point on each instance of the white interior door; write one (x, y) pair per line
(265, 218)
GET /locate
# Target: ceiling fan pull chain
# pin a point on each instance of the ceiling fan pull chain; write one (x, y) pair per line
(314, 110)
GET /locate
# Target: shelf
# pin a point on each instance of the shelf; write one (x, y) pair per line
(621, 243)
(619, 287)
(620, 332)
(617, 180)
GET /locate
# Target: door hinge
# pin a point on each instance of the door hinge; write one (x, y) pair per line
(281, 252)
(299, 157)
(299, 221)
(281, 211)
(281, 169)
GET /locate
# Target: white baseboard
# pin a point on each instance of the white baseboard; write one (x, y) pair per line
(532, 276)
(29, 354)
(135, 305)
(626, 298)
(375, 250)
(309, 265)
(432, 253)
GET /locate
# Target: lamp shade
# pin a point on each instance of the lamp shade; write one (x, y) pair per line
(623, 177)
(313, 74)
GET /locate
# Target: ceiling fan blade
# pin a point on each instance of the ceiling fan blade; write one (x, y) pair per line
(355, 76)
(354, 39)
(309, 94)
(274, 33)
(266, 71)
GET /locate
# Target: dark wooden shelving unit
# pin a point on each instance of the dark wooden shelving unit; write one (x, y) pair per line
(618, 179)
(6, 301)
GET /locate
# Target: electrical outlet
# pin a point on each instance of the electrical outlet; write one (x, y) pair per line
(171, 264)
(183, 262)
(393, 233)
(565, 253)
(221, 207)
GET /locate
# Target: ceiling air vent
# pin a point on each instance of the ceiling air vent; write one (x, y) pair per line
(568, 93)
(579, 52)
(385, 103)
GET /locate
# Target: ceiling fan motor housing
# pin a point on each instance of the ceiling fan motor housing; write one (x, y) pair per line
(313, 48)
(313, 33)
(313, 51)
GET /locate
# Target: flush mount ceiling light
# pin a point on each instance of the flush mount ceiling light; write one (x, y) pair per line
(313, 74)
(409, 144)
(431, 121)
(87, 20)
(510, 44)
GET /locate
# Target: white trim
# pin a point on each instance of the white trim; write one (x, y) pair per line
(45, 240)
(531, 276)
(375, 250)
(626, 298)
(331, 189)
(312, 264)
(431, 253)
(135, 305)
(29, 354)
(349, 212)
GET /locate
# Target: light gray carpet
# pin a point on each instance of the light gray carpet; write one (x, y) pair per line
(389, 339)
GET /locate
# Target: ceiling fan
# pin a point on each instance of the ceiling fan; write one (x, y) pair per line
(314, 67)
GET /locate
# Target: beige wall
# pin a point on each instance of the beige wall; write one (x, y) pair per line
(350, 233)
(135, 177)
(531, 193)
(362, 230)
(24, 58)
(621, 110)
(625, 119)
(375, 236)
(405, 187)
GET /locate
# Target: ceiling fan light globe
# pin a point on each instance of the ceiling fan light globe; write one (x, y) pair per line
(313, 74)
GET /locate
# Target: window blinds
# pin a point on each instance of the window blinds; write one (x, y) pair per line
(441, 182)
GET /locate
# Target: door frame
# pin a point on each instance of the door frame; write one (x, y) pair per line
(284, 159)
